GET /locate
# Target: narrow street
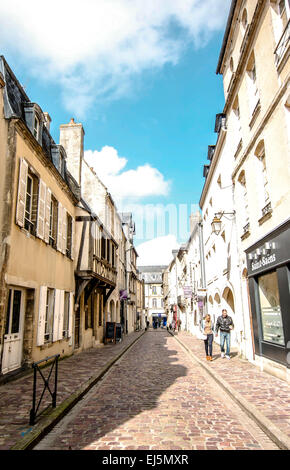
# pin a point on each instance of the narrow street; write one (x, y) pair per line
(156, 397)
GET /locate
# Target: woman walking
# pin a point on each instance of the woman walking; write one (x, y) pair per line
(208, 327)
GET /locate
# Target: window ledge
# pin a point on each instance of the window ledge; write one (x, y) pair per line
(266, 213)
(255, 114)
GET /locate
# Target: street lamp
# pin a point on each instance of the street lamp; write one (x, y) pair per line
(217, 223)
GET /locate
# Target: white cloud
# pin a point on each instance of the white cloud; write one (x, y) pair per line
(96, 49)
(130, 185)
(157, 251)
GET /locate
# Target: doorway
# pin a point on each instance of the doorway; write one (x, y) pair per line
(13, 338)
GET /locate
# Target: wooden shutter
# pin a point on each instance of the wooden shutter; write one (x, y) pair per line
(64, 230)
(41, 209)
(41, 315)
(47, 215)
(56, 315)
(71, 317)
(22, 184)
(59, 227)
(61, 312)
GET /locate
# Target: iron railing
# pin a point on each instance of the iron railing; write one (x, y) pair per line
(282, 44)
(35, 366)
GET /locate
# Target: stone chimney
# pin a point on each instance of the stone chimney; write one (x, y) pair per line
(194, 220)
(72, 140)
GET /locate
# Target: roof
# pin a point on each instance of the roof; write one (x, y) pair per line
(226, 36)
(15, 100)
(151, 269)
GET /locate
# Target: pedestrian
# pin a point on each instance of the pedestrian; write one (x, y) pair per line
(225, 325)
(173, 326)
(178, 324)
(208, 328)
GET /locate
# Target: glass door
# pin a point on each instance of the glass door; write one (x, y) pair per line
(13, 338)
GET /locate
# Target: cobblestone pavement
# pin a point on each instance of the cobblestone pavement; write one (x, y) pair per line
(156, 397)
(73, 372)
(270, 395)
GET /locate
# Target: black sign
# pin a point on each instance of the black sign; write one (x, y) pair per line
(118, 331)
(110, 330)
(270, 252)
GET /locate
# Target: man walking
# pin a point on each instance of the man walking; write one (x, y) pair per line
(225, 324)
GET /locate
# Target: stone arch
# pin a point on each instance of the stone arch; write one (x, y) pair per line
(228, 297)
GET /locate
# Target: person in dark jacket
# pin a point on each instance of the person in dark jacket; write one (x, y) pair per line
(225, 324)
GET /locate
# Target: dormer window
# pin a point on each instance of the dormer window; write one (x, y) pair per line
(58, 158)
(36, 128)
(34, 120)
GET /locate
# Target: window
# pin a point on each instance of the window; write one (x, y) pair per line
(49, 312)
(31, 203)
(65, 328)
(243, 200)
(53, 222)
(271, 318)
(253, 94)
(69, 236)
(244, 19)
(103, 247)
(154, 303)
(154, 290)
(36, 127)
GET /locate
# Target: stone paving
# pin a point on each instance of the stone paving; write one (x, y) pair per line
(156, 397)
(270, 395)
(73, 372)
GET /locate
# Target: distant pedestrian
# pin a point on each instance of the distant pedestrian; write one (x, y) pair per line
(225, 325)
(207, 328)
(173, 326)
(178, 324)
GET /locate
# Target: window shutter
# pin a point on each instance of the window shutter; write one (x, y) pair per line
(41, 315)
(47, 215)
(41, 209)
(71, 318)
(56, 315)
(64, 230)
(59, 227)
(61, 312)
(22, 183)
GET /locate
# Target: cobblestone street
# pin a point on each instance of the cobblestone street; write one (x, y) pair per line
(157, 397)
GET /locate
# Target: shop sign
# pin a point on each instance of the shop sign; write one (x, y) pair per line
(123, 295)
(187, 292)
(269, 253)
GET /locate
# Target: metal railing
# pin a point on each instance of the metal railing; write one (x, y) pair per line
(282, 44)
(35, 366)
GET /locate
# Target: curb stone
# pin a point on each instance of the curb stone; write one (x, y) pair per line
(270, 429)
(44, 427)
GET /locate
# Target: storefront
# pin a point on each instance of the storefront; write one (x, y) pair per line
(269, 285)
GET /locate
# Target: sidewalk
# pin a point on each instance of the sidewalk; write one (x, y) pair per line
(263, 396)
(76, 374)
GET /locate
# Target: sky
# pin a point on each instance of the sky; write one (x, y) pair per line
(140, 77)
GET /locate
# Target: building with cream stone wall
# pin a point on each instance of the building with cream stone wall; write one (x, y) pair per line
(246, 191)
(254, 62)
(154, 298)
(37, 234)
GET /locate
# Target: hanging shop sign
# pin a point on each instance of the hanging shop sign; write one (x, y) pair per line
(123, 295)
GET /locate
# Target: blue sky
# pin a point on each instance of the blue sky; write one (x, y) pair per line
(149, 98)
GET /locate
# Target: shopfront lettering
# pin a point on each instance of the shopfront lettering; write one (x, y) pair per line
(265, 260)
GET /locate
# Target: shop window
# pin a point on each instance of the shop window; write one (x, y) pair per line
(271, 317)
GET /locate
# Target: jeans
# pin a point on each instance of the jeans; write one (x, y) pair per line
(224, 336)
(208, 345)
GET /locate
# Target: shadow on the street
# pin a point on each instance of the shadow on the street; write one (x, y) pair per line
(133, 386)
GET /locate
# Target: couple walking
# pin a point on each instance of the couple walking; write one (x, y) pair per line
(225, 325)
